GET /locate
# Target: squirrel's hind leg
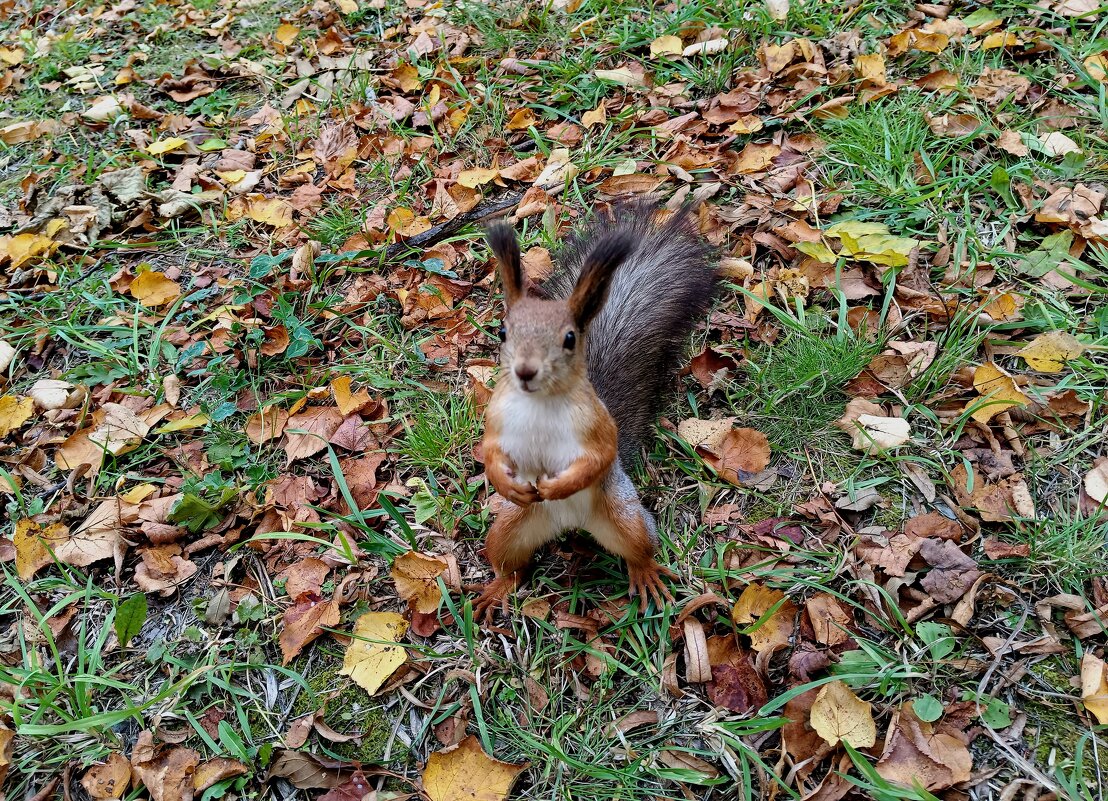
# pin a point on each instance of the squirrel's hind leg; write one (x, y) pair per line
(623, 527)
(516, 533)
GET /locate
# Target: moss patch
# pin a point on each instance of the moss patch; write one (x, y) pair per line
(348, 708)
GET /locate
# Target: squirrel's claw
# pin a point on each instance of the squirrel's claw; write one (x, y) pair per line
(647, 582)
(493, 594)
(522, 494)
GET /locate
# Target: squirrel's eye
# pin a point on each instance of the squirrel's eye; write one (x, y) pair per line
(570, 340)
(503, 332)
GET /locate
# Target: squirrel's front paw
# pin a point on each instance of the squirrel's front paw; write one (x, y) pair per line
(550, 489)
(521, 494)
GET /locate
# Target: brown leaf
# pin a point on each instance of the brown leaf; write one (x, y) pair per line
(267, 424)
(742, 453)
(304, 576)
(109, 779)
(308, 771)
(736, 686)
(216, 770)
(953, 572)
(303, 622)
(416, 576)
(831, 622)
(318, 423)
(916, 753)
(355, 788)
(165, 772)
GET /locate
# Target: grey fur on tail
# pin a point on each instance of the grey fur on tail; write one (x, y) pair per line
(657, 296)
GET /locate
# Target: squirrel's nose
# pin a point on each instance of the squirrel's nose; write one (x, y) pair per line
(525, 372)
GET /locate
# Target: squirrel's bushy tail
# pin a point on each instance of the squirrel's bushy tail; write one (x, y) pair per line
(656, 298)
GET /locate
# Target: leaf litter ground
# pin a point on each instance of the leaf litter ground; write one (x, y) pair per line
(248, 329)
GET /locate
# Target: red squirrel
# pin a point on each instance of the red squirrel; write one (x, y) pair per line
(585, 360)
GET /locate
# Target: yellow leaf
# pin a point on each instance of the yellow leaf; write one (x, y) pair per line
(818, 251)
(838, 714)
(1048, 352)
(1094, 686)
(286, 34)
(137, 493)
(466, 773)
(416, 577)
(12, 55)
(348, 6)
(873, 242)
(270, 211)
(14, 412)
(875, 433)
(870, 69)
(407, 76)
(774, 632)
(999, 39)
(152, 289)
(165, 145)
(1097, 67)
(33, 546)
(998, 392)
(347, 401)
(371, 657)
(666, 46)
(521, 120)
(477, 176)
(598, 116)
(21, 248)
(197, 420)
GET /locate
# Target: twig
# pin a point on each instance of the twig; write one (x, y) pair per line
(490, 208)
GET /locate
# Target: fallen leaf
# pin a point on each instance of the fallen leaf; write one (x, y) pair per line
(776, 630)
(304, 622)
(1096, 482)
(265, 425)
(838, 714)
(666, 46)
(109, 779)
(416, 577)
(216, 770)
(998, 392)
(1049, 352)
(347, 401)
(318, 424)
(741, 454)
(917, 754)
(14, 412)
(1094, 686)
(466, 773)
(1057, 143)
(34, 544)
(371, 657)
(153, 289)
(165, 772)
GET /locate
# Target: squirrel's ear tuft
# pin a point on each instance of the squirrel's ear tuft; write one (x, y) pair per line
(505, 247)
(595, 279)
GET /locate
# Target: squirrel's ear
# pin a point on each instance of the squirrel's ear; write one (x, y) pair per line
(504, 245)
(596, 275)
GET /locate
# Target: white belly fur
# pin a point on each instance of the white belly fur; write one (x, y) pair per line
(540, 437)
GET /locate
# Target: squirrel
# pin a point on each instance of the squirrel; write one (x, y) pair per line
(585, 360)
